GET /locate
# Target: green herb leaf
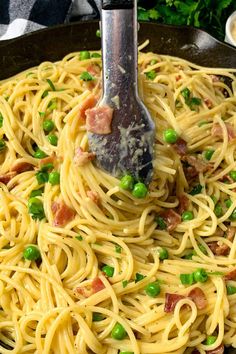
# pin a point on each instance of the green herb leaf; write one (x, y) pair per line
(51, 85)
(85, 76)
(138, 277)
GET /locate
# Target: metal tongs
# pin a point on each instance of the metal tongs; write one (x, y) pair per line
(128, 149)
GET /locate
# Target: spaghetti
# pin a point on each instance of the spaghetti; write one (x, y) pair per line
(86, 267)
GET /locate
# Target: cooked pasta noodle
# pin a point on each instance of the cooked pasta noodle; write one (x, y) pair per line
(58, 297)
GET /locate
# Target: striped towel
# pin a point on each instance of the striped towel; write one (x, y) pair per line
(21, 16)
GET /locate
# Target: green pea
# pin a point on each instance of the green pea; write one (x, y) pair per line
(151, 74)
(170, 136)
(163, 254)
(95, 55)
(153, 62)
(140, 190)
(31, 253)
(233, 215)
(231, 289)
(98, 317)
(54, 178)
(232, 174)
(186, 279)
(200, 275)
(210, 340)
(84, 55)
(218, 210)
(53, 139)
(1, 120)
(42, 177)
(108, 270)
(85, 76)
(161, 224)
(79, 237)
(208, 154)
(185, 93)
(187, 215)
(48, 125)
(228, 203)
(36, 192)
(39, 154)
(127, 182)
(2, 145)
(98, 33)
(118, 332)
(153, 289)
(35, 208)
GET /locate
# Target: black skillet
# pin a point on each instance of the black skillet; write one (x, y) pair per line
(53, 43)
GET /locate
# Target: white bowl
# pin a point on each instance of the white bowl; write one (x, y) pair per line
(230, 25)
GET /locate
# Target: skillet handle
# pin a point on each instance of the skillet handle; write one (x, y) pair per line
(117, 4)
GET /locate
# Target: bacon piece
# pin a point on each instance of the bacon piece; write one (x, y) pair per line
(21, 166)
(183, 203)
(178, 77)
(198, 297)
(218, 350)
(216, 131)
(62, 214)
(97, 285)
(231, 275)
(98, 119)
(219, 250)
(94, 196)
(171, 301)
(171, 218)
(7, 177)
(230, 233)
(89, 102)
(83, 157)
(199, 165)
(94, 69)
(82, 291)
(180, 147)
(46, 160)
(208, 102)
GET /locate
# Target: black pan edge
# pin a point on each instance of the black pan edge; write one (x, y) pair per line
(53, 43)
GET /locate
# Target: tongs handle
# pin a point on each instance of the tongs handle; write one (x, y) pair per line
(119, 50)
(117, 4)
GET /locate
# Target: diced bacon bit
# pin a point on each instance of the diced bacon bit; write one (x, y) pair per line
(21, 166)
(98, 119)
(183, 203)
(178, 77)
(62, 214)
(89, 102)
(208, 102)
(94, 196)
(219, 250)
(218, 350)
(46, 160)
(223, 249)
(171, 301)
(199, 165)
(97, 285)
(7, 177)
(83, 157)
(180, 147)
(215, 78)
(231, 275)
(171, 218)
(198, 297)
(94, 69)
(82, 291)
(216, 131)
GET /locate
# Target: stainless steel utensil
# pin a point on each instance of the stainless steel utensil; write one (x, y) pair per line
(129, 147)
